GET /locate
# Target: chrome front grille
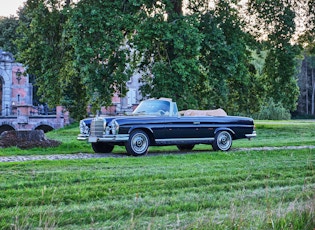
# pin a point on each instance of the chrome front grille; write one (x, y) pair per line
(97, 127)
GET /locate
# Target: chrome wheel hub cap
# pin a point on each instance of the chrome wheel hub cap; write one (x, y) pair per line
(139, 143)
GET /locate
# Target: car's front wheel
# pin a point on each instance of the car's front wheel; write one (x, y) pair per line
(100, 147)
(222, 141)
(138, 143)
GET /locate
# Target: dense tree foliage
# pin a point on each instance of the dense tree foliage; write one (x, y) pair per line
(8, 34)
(243, 85)
(198, 55)
(168, 44)
(98, 33)
(276, 20)
(45, 52)
(203, 54)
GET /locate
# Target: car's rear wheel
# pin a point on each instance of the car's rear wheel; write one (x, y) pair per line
(185, 147)
(222, 141)
(138, 143)
(100, 147)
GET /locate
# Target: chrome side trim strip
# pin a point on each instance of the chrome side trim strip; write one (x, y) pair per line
(184, 139)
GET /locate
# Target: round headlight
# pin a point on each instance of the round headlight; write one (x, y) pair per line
(84, 129)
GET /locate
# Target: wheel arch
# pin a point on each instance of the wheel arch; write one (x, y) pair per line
(225, 129)
(45, 127)
(147, 130)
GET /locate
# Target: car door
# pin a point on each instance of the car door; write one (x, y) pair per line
(186, 128)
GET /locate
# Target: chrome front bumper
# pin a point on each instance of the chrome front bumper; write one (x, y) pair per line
(109, 138)
(82, 137)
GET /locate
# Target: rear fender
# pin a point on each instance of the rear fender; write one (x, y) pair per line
(224, 129)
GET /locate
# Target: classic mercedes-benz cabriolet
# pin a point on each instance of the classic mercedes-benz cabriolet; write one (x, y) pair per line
(157, 122)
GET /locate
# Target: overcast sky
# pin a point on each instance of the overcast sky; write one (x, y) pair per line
(9, 7)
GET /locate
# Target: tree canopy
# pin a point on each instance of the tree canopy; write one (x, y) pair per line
(8, 34)
(280, 70)
(199, 54)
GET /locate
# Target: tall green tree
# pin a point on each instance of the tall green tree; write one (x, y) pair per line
(276, 19)
(209, 46)
(40, 47)
(82, 54)
(8, 34)
(45, 52)
(280, 76)
(98, 32)
(228, 78)
(168, 44)
(216, 63)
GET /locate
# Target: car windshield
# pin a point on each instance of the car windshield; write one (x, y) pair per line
(153, 107)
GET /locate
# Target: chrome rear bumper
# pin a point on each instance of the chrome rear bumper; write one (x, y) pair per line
(252, 135)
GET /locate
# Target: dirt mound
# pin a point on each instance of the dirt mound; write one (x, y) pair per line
(26, 139)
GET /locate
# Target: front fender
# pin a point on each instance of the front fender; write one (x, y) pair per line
(147, 129)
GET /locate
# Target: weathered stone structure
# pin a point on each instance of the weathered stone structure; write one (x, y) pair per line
(16, 101)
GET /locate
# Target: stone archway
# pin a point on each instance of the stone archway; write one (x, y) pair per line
(45, 128)
(5, 127)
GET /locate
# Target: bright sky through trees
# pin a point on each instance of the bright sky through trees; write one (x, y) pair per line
(9, 7)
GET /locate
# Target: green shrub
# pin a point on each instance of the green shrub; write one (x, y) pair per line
(273, 111)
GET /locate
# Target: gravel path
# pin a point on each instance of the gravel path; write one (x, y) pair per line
(119, 155)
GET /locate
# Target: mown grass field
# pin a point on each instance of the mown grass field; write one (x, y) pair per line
(200, 190)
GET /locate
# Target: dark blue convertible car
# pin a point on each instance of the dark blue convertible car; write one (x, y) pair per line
(157, 122)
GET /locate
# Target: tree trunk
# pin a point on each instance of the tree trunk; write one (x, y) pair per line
(306, 87)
